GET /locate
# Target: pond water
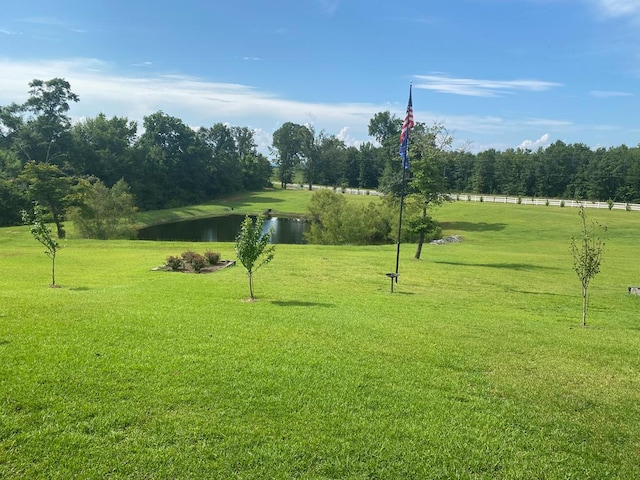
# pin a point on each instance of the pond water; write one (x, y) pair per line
(223, 229)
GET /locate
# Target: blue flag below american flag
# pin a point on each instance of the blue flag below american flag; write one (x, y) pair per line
(404, 136)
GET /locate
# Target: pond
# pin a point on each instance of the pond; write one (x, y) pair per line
(223, 229)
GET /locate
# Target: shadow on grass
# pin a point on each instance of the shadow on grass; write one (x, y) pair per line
(244, 200)
(79, 289)
(506, 266)
(473, 227)
(298, 303)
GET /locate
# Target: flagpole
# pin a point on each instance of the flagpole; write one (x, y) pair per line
(404, 181)
(404, 153)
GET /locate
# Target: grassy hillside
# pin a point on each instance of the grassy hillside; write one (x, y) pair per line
(475, 367)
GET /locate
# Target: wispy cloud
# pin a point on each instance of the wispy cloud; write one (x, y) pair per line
(194, 100)
(480, 88)
(619, 8)
(329, 7)
(251, 59)
(609, 94)
(9, 32)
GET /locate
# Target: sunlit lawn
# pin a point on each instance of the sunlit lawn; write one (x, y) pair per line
(475, 367)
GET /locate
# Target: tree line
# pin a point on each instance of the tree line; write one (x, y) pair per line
(46, 158)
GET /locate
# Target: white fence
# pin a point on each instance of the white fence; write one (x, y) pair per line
(544, 201)
(465, 197)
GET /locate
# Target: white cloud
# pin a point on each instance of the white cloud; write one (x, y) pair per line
(619, 8)
(194, 100)
(348, 140)
(543, 141)
(9, 32)
(480, 88)
(329, 7)
(609, 94)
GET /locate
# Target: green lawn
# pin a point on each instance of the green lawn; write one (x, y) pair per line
(475, 367)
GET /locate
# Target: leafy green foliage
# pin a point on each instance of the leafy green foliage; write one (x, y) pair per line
(252, 247)
(47, 185)
(334, 221)
(105, 213)
(42, 234)
(587, 252)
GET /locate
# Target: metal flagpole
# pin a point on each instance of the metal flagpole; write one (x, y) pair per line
(404, 153)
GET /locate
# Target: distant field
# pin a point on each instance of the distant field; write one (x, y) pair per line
(475, 367)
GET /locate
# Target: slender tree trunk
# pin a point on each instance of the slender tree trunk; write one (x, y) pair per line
(584, 306)
(58, 222)
(251, 285)
(53, 270)
(421, 238)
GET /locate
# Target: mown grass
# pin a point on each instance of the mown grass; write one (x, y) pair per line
(475, 367)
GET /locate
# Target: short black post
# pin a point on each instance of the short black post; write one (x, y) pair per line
(394, 277)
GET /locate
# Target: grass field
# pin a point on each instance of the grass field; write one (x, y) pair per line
(475, 367)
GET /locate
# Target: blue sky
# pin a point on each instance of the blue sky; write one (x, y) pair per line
(497, 73)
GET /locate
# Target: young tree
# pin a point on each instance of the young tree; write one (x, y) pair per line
(42, 234)
(252, 247)
(587, 253)
(427, 185)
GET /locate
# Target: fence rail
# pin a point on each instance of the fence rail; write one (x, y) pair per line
(556, 202)
(545, 201)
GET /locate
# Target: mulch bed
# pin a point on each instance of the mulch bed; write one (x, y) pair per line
(189, 269)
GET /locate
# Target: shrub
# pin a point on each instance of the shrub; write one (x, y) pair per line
(212, 257)
(198, 262)
(188, 255)
(562, 203)
(174, 263)
(610, 204)
(481, 199)
(519, 200)
(546, 202)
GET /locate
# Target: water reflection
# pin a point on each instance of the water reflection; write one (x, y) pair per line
(224, 229)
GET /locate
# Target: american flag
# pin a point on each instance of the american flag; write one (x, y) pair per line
(404, 136)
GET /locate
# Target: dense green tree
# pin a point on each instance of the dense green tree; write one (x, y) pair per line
(39, 129)
(47, 185)
(256, 168)
(334, 221)
(102, 147)
(427, 183)
(105, 213)
(290, 144)
(170, 161)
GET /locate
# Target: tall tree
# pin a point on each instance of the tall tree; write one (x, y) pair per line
(289, 144)
(103, 147)
(41, 124)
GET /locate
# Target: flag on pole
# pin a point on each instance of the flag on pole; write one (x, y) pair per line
(404, 136)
